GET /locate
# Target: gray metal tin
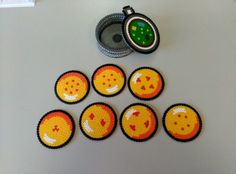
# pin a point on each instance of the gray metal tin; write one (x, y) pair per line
(110, 38)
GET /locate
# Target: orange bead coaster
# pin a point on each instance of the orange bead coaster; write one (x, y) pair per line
(182, 122)
(138, 122)
(72, 87)
(108, 80)
(55, 129)
(98, 121)
(146, 83)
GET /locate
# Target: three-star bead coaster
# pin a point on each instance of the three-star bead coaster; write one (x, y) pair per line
(55, 129)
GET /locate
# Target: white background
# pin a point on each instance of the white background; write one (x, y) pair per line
(197, 57)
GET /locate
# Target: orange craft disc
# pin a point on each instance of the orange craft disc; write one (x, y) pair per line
(146, 83)
(138, 122)
(55, 129)
(182, 122)
(72, 87)
(98, 121)
(108, 80)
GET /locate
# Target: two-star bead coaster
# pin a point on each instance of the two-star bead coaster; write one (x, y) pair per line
(98, 121)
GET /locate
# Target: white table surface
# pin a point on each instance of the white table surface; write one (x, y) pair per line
(197, 57)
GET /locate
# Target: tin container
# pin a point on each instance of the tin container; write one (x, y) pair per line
(119, 34)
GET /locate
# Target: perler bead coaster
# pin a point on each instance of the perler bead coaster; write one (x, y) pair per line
(108, 80)
(55, 129)
(98, 121)
(146, 83)
(182, 122)
(72, 87)
(138, 122)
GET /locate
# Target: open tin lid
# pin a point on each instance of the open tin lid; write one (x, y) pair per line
(140, 33)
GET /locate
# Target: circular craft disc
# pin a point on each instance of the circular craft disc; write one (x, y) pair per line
(72, 87)
(182, 122)
(98, 121)
(146, 83)
(138, 122)
(141, 33)
(108, 80)
(55, 129)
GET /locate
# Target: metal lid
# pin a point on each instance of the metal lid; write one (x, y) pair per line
(139, 32)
